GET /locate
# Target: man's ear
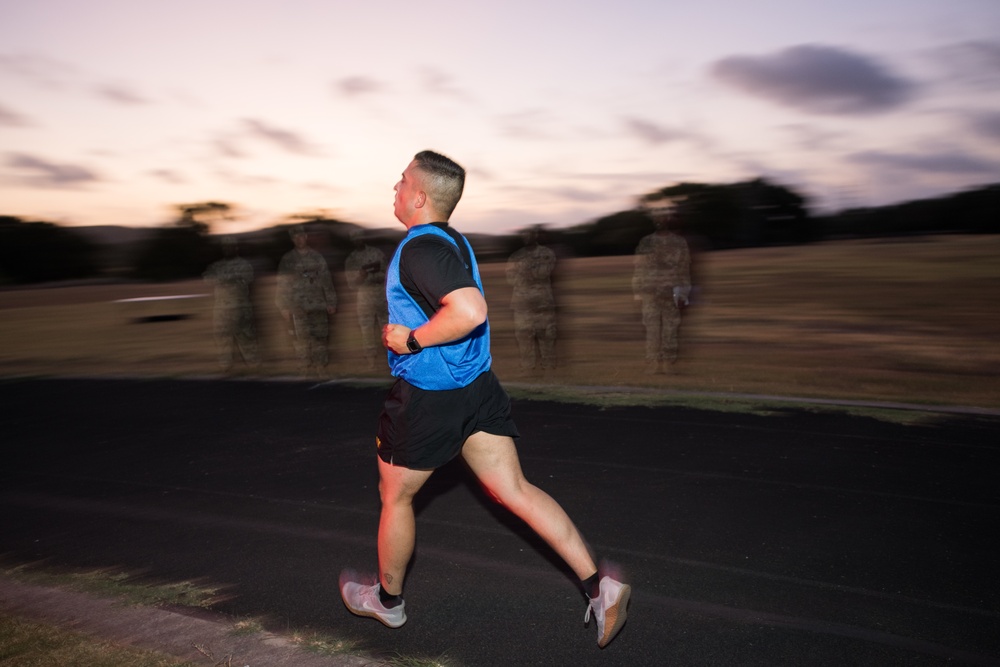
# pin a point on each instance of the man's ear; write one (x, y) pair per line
(420, 199)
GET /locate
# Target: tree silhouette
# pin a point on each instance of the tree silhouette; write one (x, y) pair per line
(738, 214)
(201, 215)
(184, 249)
(32, 252)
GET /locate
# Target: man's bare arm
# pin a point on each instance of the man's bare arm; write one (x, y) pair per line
(461, 312)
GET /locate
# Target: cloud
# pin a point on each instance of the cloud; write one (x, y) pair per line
(650, 132)
(38, 70)
(245, 180)
(527, 125)
(569, 193)
(810, 137)
(10, 118)
(228, 147)
(120, 95)
(958, 163)
(321, 186)
(986, 124)
(37, 172)
(356, 86)
(437, 82)
(570, 188)
(284, 139)
(976, 63)
(168, 176)
(816, 79)
(980, 55)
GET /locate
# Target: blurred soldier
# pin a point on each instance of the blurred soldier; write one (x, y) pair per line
(235, 329)
(306, 298)
(529, 272)
(365, 272)
(662, 281)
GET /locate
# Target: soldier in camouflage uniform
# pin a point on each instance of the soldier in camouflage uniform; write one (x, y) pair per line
(235, 328)
(306, 298)
(365, 272)
(662, 281)
(529, 272)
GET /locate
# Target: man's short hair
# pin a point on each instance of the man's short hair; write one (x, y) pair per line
(445, 180)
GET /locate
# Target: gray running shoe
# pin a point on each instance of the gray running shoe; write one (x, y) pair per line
(610, 609)
(363, 600)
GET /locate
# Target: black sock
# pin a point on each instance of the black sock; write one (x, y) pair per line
(592, 585)
(388, 601)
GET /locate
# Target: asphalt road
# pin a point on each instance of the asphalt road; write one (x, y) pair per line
(794, 538)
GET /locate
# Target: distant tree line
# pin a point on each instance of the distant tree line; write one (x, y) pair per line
(32, 252)
(970, 212)
(759, 213)
(737, 215)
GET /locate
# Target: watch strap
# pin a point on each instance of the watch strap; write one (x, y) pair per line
(412, 344)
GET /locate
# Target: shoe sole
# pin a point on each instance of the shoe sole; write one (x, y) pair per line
(376, 616)
(614, 617)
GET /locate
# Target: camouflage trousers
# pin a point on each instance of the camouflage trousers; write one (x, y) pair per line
(662, 319)
(535, 331)
(236, 335)
(312, 338)
(373, 315)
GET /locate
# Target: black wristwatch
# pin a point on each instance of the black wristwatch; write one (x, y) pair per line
(412, 345)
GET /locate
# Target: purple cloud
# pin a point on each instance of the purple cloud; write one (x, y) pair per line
(816, 79)
(168, 176)
(986, 124)
(44, 174)
(438, 82)
(976, 62)
(227, 146)
(650, 132)
(39, 70)
(10, 118)
(284, 139)
(355, 86)
(955, 163)
(528, 125)
(120, 95)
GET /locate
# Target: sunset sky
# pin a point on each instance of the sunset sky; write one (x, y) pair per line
(114, 111)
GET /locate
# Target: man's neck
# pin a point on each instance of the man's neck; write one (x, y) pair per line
(425, 220)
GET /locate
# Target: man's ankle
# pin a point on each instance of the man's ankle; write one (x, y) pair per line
(389, 600)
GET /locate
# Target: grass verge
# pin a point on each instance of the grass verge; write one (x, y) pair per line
(30, 643)
(120, 586)
(26, 643)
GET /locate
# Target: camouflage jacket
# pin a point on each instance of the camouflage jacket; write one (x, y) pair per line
(365, 267)
(662, 262)
(232, 277)
(304, 282)
(529, 272)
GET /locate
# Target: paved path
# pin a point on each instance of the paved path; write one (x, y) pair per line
(788, 539)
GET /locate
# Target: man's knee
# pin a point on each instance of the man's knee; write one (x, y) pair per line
(398, 485)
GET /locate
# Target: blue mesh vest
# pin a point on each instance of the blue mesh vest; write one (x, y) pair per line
(449, 366)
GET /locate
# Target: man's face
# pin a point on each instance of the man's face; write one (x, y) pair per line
(407, 190)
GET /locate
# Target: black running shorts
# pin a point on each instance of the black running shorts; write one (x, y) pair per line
(423, 430)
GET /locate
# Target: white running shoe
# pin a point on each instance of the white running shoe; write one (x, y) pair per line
(610, 608)
(363, 600)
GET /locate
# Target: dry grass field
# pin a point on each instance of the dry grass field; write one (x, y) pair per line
(911, 320)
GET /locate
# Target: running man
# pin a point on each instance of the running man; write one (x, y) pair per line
(447, 402)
